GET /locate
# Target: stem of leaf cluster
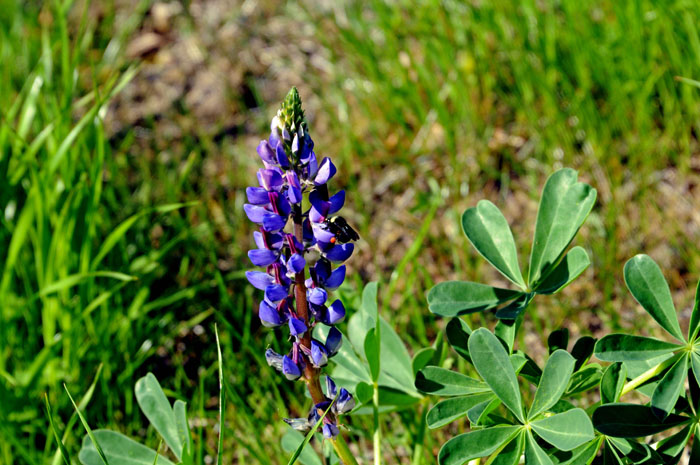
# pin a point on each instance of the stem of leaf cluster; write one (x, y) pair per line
(377, 428)
(649, 374)
(343, 452)
(420, 436)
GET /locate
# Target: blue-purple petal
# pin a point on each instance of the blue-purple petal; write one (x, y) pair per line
(274, 359)
(257, 195)
(340, 252)
(345, 402)
(266, 152)
(259, 279)
(275, 292)
(255, 213)
(270, 179)
(325, 172)
(336, 313)
(273, 222)
(330, 430)
(317, 296)
(333, 341)
(269, 316)
(319, 355)
(296, 263)
(297, 327)
(262, 257)
(331, 390)
(290, 369)
(282, 156)
(336, 278)
(336, 202)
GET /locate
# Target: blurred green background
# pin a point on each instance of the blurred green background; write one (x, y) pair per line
(128, 133)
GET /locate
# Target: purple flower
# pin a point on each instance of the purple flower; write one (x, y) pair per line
(297, 326)
(269, 315)
(331, 390)
(296, 263)
(291, 171)
(333, 341)
(262, 257)
(317, 296)
(340, 252)
(259, 280)
(330, 430)
(290, 369)
(345, 402)
(275, 292)
(270, 179)
(319, 355)
(325, 172)
(335, 313)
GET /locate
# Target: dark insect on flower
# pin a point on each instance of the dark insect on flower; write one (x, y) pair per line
(342, 230)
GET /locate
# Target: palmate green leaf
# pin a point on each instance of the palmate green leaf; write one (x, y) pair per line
(695, 452)
(511, 453)
(453, 298)
(458, 331)
(372, 352)
(648, 286)
(669, 388)
(672, 447)
(584, 379)
(439, 381)
(565, 431)
(119, 450)
(582, 455)
(624, 348)
(634, 451)
(156, 407)
(475, 444)
(183, 428)
(422, 358)
(695, 364)
(491, 361)
(489, 232)
(611, 456)
(478, 414)
(564, 206)
(694, 324)
(632, 421)
(582, 350)
(612, 382)
(515, 308)
(571, 266)
(558, 339)
(449, 410)
(534, 454)
(396, 370)
(506, 330)
(553, 382)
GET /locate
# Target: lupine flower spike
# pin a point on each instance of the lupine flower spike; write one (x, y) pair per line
(293, 184)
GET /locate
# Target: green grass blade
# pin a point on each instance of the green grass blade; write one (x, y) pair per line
(61, 447)
(222, 400)
(309, 435)
(87, 428)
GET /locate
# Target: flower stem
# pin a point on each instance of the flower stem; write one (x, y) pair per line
(377, 428)
(343, 452)
(649, 374)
